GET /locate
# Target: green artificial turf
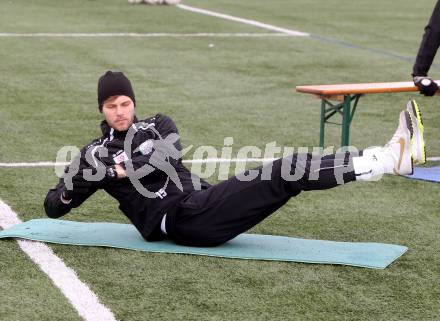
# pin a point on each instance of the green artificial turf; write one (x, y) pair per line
(240, 88)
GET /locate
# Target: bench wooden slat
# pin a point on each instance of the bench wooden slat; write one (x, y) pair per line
(364, 88)
(348, 95)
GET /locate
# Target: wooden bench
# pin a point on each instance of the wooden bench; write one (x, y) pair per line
(347, 97)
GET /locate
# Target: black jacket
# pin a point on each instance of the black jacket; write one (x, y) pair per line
(430, 43)
(166, 184)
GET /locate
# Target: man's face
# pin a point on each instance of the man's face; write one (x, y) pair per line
(119, 112)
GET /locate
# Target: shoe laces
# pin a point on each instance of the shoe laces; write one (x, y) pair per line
(401, 131)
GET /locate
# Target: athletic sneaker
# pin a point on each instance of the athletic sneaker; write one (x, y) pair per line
(417, 142)
(398, 149)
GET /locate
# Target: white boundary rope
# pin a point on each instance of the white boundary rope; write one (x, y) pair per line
(85, 302)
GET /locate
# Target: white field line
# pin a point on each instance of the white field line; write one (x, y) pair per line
(189, 161)
(141, 35)
(245, 21)
(85, 302)
(186, 161)
(227, 160)
(36, 164)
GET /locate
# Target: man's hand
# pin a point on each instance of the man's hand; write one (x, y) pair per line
(426, 85)
(120, 171)
(81, 184)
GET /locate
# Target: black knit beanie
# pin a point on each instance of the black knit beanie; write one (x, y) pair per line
(114, 84)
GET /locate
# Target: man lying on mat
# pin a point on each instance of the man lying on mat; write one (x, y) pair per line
(138, 162)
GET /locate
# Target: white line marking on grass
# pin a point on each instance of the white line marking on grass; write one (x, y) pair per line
(36, 164)
(85, 302)
(141, 35)
(245, 21)
(185, 161)
(227, 160)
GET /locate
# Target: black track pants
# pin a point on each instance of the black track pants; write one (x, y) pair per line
(215, 215)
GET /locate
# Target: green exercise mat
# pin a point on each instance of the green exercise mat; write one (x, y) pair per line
(245, 246)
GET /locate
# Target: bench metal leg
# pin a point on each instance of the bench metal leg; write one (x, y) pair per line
(345, 137)
(322, 128)
(346, 108)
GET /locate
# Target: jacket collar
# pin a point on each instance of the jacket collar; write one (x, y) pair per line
(109, 131)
